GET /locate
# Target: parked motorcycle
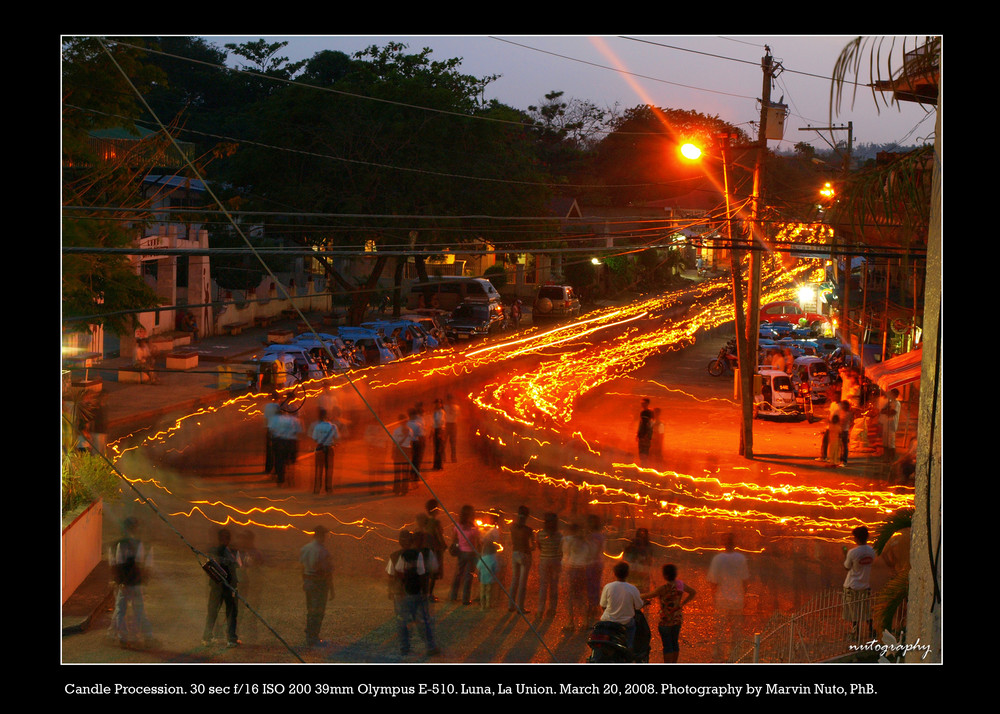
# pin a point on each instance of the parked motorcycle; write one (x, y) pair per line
(727, 361)
(608, 641)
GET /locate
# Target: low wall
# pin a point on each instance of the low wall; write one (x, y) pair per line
(82, 542)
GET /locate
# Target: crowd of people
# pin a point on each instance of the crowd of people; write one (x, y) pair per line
(571, 558)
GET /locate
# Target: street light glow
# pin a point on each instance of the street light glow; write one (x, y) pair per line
(691, 152)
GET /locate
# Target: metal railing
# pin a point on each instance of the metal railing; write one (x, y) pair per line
(822, 629)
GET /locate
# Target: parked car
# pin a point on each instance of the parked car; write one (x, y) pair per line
(555, 301)
(790, 311)
(476, 319)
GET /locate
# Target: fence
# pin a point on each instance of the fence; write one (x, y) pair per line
(820, 630)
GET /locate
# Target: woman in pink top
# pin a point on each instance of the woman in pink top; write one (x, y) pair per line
(466, 537)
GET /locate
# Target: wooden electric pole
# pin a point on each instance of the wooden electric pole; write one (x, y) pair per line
(747, 351)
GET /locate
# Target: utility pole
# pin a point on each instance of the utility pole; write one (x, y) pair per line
(845, 277)
(751, 328)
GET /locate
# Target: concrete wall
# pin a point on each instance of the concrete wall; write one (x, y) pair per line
(81, 547)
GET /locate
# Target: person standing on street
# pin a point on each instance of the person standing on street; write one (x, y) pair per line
(407, 571)
(550, 552)
(671, 596)
(418, 438)
(325, 435)
(439, 434)
(286, 440)
(644, 434)
(317, 583)
(401, 466)
(522, 539)
(451, 424)
(223, 592)
(128, 570)
(730, 577)
(857, 585)
(271, 413)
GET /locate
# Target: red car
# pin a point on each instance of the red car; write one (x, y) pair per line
(789, 311)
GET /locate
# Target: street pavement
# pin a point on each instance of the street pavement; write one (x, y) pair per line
(134, 407)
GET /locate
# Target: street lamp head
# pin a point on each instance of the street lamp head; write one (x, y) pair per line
(690, 152)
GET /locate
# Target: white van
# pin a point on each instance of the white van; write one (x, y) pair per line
(815, 372)
(448, 291)
(774, 394)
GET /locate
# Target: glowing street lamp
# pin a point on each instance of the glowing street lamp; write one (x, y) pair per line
(690, 152)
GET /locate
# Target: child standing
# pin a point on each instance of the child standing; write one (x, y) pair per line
(487, 568)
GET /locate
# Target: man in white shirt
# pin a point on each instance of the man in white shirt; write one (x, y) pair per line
(401, 466)
(729, 575)
(620, 600)
(857, 584)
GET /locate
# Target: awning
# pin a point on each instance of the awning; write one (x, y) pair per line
(897, 371)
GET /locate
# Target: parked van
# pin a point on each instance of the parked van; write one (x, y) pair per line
(774, 394)
(369, 344)
(448, 291)
(815, 372)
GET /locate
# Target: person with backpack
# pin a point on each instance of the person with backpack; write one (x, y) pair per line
(407, 589)
(128, 571)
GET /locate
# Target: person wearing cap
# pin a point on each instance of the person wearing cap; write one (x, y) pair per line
(317, 583)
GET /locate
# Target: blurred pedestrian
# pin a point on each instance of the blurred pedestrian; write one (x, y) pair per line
(403, 438)
(889, 422)
(285, 433)
(144, 361)
(577, 552)
(656, 445)
(129, 562)
(418, 440)
(250, 577)
(522, 539)
(488, 570)
(439, 434)
(407, 570)
(671, 596)
(595, 568)
(317, 583)
(375, 448)
(223, 591)
(451, 411)
(834, 442)
(644, 434)
(325, 435)
(846, 423)
(857, 585)
(435, 540)
(730, 577)
(465, 545)
(550, 554)
(639, 556)
(271, 413)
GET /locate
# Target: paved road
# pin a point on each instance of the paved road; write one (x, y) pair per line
(204, 476)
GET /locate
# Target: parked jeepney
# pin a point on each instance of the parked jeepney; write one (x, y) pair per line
(369, 344)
